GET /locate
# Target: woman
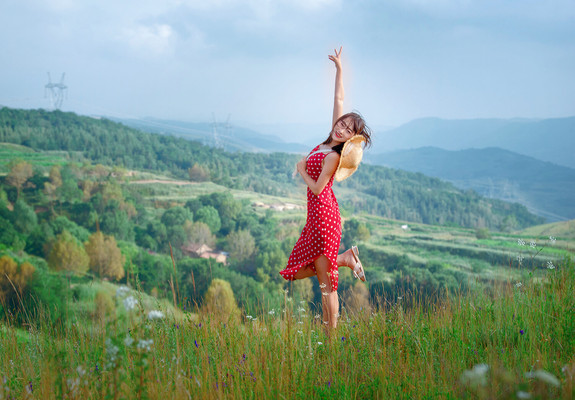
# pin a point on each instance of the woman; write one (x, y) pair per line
(316, 251)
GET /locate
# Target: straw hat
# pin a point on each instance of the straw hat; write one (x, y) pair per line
(350, 158)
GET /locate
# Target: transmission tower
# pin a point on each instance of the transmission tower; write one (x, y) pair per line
(56, 91)
(215, 135)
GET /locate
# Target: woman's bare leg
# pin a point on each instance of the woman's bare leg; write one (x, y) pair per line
(346, 259)
(329, 299)
(304, 272)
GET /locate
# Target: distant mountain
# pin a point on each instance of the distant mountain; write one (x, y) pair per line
(544, 188)
(222, 135)
(550, 140)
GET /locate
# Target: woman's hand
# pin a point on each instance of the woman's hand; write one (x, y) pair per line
(336, 58)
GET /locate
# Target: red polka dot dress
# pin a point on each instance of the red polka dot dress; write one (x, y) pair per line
(322, 231)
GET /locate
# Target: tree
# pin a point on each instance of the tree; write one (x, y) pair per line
(68, 254)
(13, 276)
(354, 231)
(199, 232)
(176, 216)
(20, 172)
(220, 301)
(241, 245)
(106, 259)
(209, 215)
(198, 173)
(25, 218)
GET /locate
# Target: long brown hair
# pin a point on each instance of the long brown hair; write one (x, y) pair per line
(358, 126)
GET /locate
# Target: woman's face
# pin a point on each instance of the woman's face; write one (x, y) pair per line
(343, 130)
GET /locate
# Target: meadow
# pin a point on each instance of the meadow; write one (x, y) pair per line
(515, 342)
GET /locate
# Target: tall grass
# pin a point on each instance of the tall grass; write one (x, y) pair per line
(515, 341)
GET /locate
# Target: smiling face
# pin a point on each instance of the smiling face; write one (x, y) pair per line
(343, 130)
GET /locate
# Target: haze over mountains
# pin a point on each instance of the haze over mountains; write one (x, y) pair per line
(529, 161)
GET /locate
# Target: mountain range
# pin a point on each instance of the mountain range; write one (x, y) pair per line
(546, 189)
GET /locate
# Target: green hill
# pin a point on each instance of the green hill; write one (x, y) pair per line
(546, 189)
(375, 190)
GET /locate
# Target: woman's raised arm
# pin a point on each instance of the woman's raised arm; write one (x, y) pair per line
(339, 92)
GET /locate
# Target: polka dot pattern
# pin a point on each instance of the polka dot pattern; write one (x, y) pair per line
(322, 231)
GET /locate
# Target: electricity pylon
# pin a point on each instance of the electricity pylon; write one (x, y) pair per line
(56, 91)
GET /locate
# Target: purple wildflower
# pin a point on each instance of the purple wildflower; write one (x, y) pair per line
(522, 331)
(196, 343)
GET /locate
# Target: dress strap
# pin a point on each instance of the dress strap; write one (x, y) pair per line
(325, 151)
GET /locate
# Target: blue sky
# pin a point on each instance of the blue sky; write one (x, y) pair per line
(265, 61)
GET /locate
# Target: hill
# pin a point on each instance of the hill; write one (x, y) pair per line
(565, 229)
(546, 189)
(225, 136)
(373, 189)
(549, 140)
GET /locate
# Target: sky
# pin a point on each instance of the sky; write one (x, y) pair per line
(265, 62)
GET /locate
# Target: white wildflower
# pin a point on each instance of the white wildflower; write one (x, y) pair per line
(324, 293)
(533, 244)
(272, 312)
(520, 258)
(286, 291)
(249, 317)
(550, 265)
(122, 291)
(520, 242)
(544, 376)
(301, 309)
(300, 332)
(145, 345)
(300, 322)
(128, 341)
(319, 343)
(130, 303)
(317, 316)
(289, 299)
(523, 395)
(155, 314)
(518, 284)
(552, 239)
(399, 298)
(477, 376)
(322, 285)
(302, 302)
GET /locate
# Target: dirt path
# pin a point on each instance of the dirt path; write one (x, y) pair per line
(163, 182)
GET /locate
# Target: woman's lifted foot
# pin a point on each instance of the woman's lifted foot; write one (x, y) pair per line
(358, 271)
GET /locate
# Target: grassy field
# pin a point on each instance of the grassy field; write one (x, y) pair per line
(513, 344)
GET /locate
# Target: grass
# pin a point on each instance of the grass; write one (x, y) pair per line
(512, 341)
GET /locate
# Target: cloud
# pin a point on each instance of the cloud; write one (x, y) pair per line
(155, 40)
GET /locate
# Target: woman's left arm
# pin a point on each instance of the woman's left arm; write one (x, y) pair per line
(330, 163)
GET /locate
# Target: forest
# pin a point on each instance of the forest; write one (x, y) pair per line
(69, 214)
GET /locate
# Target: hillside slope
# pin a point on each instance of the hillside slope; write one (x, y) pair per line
(544, 188)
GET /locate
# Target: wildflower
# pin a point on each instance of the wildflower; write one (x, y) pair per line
(272, 312)
(300, 332)
(286, 291)
(518, 284)
(521, 331)
(343, 338)
(145, 345)
(128, 341)
(319, 343)
(523, 395)
(322, 285)
(520, 242)
(289, 299)
(544, 376)
(249, 317)
(324, 293)
(399, 298)
(520, 258)
(130, 303)
(300, 322)
(475, 376)
(532, 244)
(301, 309)
(552, 239)
(122, 291)
(550, 265)
(317, 316)
(155, 314)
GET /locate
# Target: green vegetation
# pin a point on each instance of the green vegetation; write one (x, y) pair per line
(514, 342)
